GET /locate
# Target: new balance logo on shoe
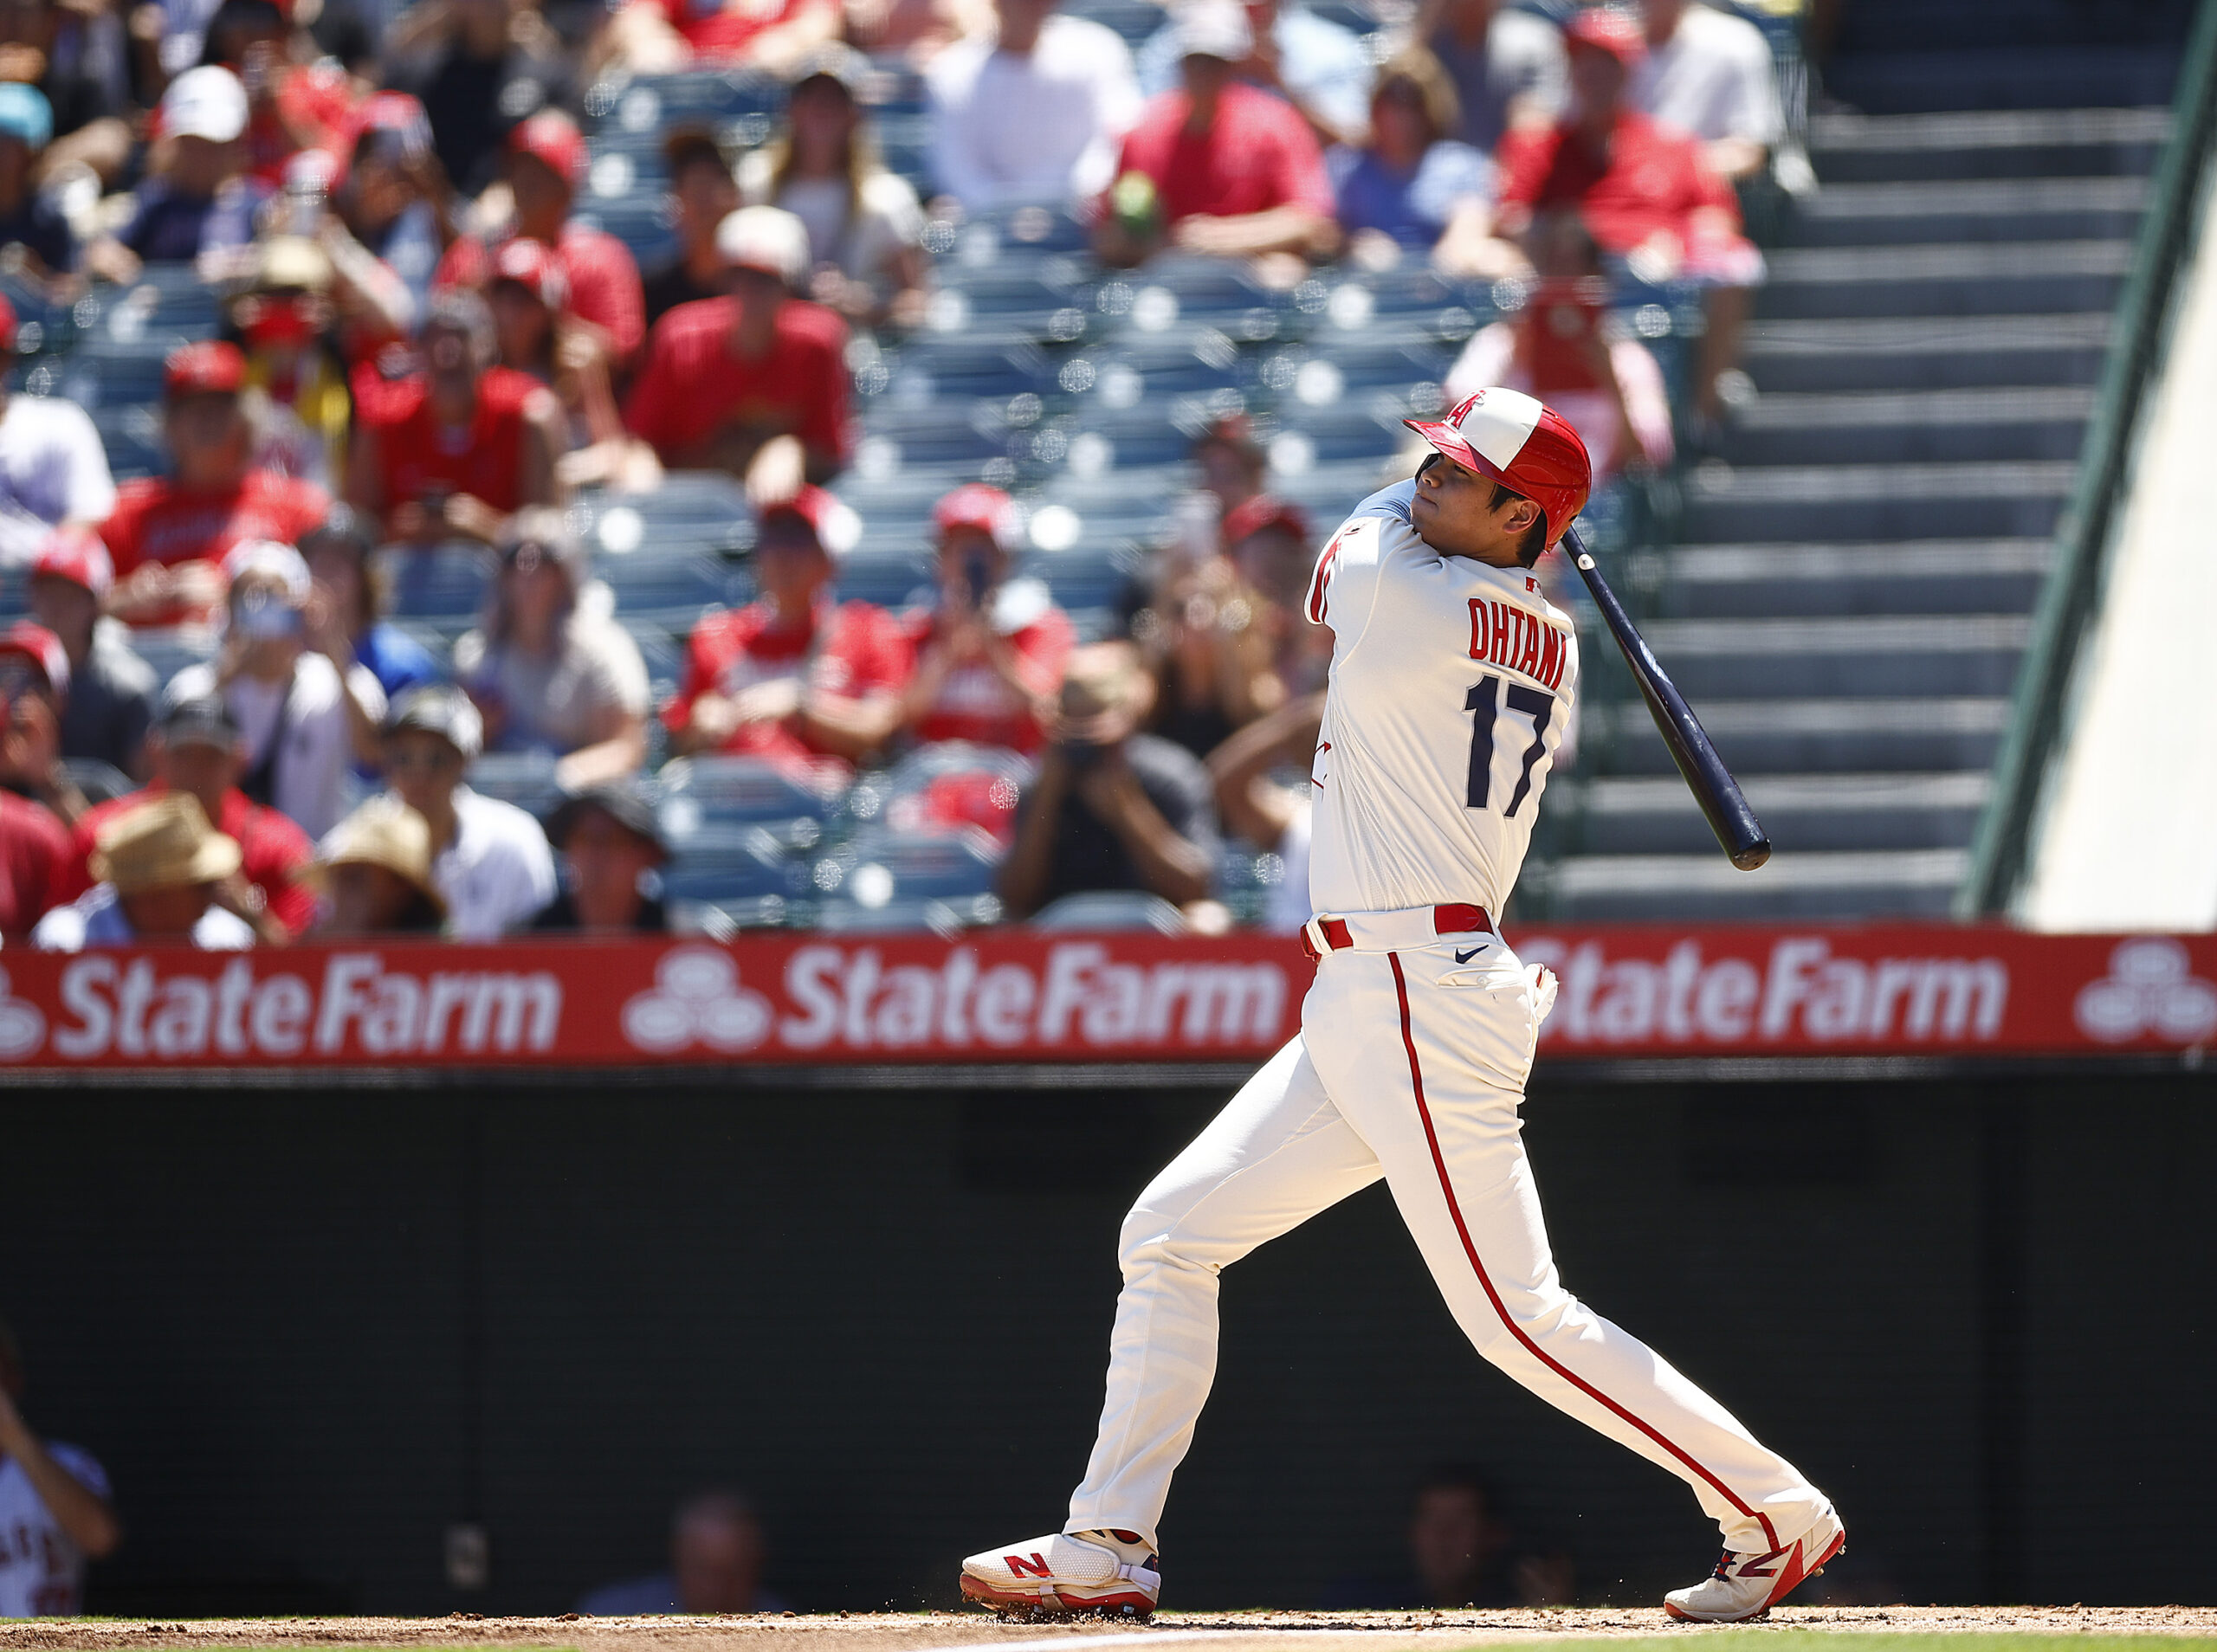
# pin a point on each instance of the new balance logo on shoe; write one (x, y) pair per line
(1035, 1567)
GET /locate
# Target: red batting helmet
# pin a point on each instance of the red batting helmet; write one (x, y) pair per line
(1523, 444)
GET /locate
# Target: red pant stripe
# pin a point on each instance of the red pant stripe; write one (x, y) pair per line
(1447, 1188)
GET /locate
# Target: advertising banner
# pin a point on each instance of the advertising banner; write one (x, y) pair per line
(1009, 996)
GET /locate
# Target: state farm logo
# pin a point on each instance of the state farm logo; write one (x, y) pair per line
(22, 1025)
(2149, 988)
(696, 999)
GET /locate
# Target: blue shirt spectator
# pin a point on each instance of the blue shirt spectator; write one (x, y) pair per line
(29, 219)
(1322, 68)
(1412, 183)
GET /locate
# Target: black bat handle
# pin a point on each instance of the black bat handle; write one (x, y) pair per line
(1737, 830)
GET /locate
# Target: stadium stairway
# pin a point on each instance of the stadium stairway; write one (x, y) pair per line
(1859, 555)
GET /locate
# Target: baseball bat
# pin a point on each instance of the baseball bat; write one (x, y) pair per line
(1719, 795)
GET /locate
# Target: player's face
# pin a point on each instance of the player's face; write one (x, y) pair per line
(1455, 514)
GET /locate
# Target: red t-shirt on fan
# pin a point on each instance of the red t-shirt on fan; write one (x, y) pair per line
(1257, 155)
(724, 28)
(603, 278)
(975, 703)
(693, 385)
(419, 458)
(34, 864)
(1650, 179)
(156, 520)
(852, 650)
(273, 853)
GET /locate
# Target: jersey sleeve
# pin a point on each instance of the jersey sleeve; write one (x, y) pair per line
(1344, 588)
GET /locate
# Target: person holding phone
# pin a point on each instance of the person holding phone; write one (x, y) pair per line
(990, 652)
(286, 674)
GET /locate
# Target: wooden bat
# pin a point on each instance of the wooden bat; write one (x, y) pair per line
(1719, 795)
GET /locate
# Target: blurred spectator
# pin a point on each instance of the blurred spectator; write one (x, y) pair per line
(1233, 463)
(1111, 807)
(297, 99)
(1507, 64)
(610, 840)
(989, 653)
(865, 227)
(1212, 635)
(1647, 195)
(53, 468)
(1461, 1554)
(111, 689)
(33, 842)
(1412, 186)
(489, 859)
(34, 686)
(1218, 166)
(338, 552)
(655, 37)
(169, 533)
(54, 1506)
(702, 194)
(280, 321)
(30, 219)
(549, 672)
(1709, 73)
(287, 675)
(1564, 347)
(196, 196)
(716, 1565)
(159, 867)
(540, 336)
(456, 448)
(391, 197)
(195, 749)
(1273, 819)
(754, 384)
(793, 677)
(88, 127)
(1032, 113)
(1321, 68)
(545, 167)
(480, 68)
(375, 870)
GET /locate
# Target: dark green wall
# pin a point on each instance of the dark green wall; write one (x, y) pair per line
(307, 1330)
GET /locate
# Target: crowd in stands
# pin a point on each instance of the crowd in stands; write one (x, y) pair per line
(430, 365)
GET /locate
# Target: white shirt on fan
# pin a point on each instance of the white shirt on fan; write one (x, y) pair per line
(313, 782)
(1010, 131)
(42, 1572)
(53, 469)
(1452, 685)
(1713, 78)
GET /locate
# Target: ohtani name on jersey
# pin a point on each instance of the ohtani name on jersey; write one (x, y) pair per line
(1504, 635)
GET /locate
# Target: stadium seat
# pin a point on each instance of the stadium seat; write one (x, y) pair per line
(131, 435)
(880, 864)
(444, 581)
(524, 778)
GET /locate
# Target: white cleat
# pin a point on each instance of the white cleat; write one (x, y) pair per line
(1748, 1585)
(1111, 1574)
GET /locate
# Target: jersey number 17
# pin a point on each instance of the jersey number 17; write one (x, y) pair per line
(1486, 701)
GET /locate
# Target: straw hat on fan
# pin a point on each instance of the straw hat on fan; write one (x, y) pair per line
(163, 843)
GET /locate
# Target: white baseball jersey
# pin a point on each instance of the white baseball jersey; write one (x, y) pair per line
(42, 1572)
(1451, 686)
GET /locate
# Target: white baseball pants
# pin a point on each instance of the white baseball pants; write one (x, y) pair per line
(1411, 1066)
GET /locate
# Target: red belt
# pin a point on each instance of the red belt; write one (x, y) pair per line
(1455, 918)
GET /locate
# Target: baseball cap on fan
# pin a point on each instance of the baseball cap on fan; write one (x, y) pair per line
(25, 641)
(980, 505)
(1605, 29)
(765, 238)
(829, 518)
(551, 136)
(78, 555)
(211, 367)
(1215, 28)
(1521, 443)
(25, 115)
(532, 265)
(207, 102)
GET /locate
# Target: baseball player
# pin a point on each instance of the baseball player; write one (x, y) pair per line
(1452, 683)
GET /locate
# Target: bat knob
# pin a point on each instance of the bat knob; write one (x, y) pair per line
(1754, 855)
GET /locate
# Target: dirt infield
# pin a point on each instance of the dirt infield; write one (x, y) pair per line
(976, 1632)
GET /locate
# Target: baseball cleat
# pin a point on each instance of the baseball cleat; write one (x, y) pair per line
(1107, 1574)
(1748, 1585)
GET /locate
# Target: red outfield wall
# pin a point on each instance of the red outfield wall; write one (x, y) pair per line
(1645, 993)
